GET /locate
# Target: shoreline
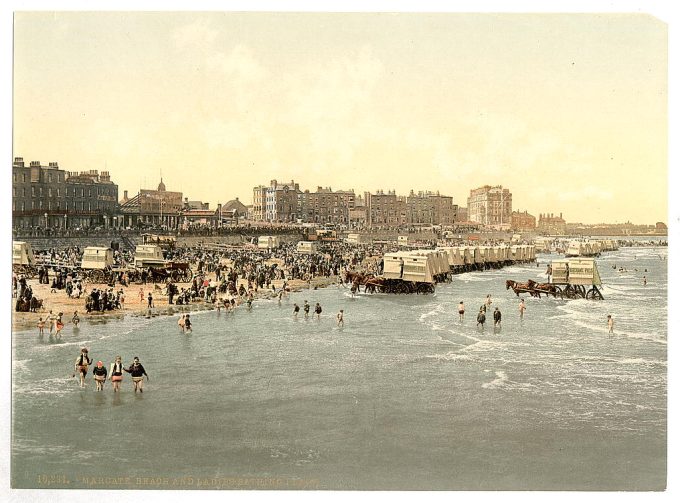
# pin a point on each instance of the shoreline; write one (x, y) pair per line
(59, 302)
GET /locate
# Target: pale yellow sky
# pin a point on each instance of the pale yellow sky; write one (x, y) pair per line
(567, 111)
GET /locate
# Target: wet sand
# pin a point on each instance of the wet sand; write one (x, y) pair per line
(58, 301)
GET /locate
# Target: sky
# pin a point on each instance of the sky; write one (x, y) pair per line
(567, 111)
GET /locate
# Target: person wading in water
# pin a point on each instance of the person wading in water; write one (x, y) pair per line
(99, 373)
(82, 363)
(137, 371)
(117, 373)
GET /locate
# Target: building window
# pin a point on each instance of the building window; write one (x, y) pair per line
(23, 191)
(23, 177)
(49, 178)
(32, 191)
(49, 191)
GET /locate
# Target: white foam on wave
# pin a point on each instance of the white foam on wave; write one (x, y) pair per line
(474, 277)
(639, 335)
(444, 339)
(357, 295)
(641, 361)
(619, 332)
(438, 309)
(450, 356)
(513, 270)
(49, 347)
(484, 345)
(49, 386)
(500, 381)
(618, 288)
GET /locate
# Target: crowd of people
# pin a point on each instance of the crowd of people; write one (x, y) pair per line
(104, 300)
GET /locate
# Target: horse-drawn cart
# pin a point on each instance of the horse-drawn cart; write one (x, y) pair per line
(96, 264)
(403, 272)
(577, 278)
(179, 272)
(572, 278)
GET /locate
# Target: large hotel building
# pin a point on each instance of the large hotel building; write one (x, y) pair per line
(491, 206)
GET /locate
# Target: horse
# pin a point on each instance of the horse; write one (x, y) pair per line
(516, 286)
(521, 287)
(546, 288)
(35, 304)
(355, 277)
(373, 283)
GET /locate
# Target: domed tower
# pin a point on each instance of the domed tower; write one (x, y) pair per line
(161, 186)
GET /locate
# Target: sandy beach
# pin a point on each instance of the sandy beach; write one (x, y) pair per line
(58, 301)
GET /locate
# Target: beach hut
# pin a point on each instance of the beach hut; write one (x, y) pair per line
(22, 254)
(531, 253)
(148, 256)
(268, 242)
(306, 247)
(419, 268)
(97, 257)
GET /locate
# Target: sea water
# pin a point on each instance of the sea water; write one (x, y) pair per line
(404, 396)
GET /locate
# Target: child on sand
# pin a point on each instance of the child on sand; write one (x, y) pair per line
(41, 327)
